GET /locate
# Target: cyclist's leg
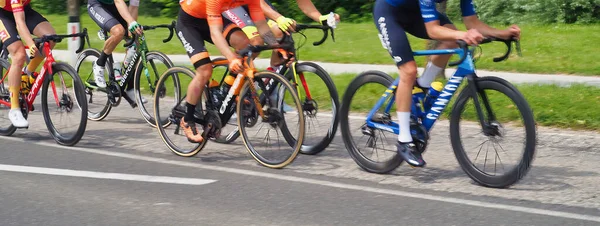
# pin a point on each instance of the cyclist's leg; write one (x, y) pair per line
(394, 39)
(437, 62)
(192, 32)
(238, 19)
(39, 26)
(104, 16)
(10, 38)
(275, 58)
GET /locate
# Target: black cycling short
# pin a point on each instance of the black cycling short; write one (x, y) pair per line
(192, 33)
(393, 23)
(106, 15)
(8, 26)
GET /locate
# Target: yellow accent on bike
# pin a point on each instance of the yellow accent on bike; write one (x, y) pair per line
(438, 86)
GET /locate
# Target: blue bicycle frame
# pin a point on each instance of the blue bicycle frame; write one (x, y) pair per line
(428, 116)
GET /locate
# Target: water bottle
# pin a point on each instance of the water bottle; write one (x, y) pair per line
(434, 92)
(129, 55)
(418, 96)
(227, 84)
(117, 71)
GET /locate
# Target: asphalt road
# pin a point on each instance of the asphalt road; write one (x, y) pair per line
(122, 174)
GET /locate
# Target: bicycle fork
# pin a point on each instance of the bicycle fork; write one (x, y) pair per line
(487, 128)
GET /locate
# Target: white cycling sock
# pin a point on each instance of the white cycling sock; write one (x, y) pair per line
(404, 123)
(428, 75)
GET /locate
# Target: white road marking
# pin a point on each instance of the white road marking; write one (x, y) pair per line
(102, 175)
(458, 201)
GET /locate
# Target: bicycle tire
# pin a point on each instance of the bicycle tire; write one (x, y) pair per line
(148, 117)
(9, 129)
(79, 97)
(175, 72)
(332, 90)
(514, 175)
(242, 122)
(361, 160)
(100, 115)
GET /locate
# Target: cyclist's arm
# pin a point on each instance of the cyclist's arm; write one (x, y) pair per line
(215, 23)
(21, 25)
(124, 11)
(309, 9)
(472, 22)
(432, 23)
(268, 11)
(133, 8)
(438, 32)
(257, 15)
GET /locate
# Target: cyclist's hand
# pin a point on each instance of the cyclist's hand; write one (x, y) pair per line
(236, 65)
(32, 49)
(331, 19)
(136, 28)
(283, 53)
(286, 24)
(472, 37)
(512, 31)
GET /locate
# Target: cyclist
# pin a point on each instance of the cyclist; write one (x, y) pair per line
(201, 20)
(112, 16)
(277, 22)
(18, 21)
(420, 18)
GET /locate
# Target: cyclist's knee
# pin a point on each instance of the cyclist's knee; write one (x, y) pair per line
(448, 45)
(17, 54)
(408, 71)
(117, 31)
(277, 32)
(204, 72)
(238, 40)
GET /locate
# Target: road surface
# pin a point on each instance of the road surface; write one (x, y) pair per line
(122, 174)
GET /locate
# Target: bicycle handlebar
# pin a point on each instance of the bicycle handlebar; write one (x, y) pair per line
(248, 51)
(58, 38)
(463, 45)
(324, 28)
(171, 28)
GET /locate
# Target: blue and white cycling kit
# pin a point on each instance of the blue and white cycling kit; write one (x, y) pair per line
(394, 18)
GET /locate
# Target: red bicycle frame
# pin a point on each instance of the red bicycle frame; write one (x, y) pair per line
(37, 84)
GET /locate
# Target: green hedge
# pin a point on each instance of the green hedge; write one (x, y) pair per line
(533, 11)
(491, 11)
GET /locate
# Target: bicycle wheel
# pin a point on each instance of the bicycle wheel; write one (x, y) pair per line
(97, 98)
(373, 149)
(63, 101)
(145, 83)
(257, 132)
(6, 127)
(320, 107)
(517, 119)
(230, 132)
(172, 107)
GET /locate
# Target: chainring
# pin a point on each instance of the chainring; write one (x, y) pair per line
(212, 128)
(419, 135)
(114, 93)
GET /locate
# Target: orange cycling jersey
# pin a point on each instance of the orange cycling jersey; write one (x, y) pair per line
(212, 9)
(13, 5)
